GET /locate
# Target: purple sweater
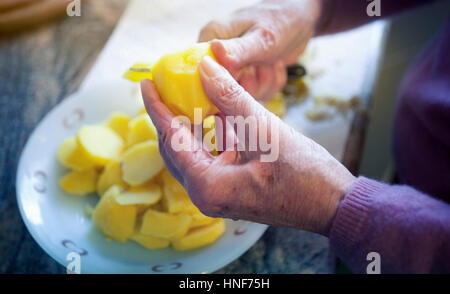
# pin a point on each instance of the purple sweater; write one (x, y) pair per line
(408, 225)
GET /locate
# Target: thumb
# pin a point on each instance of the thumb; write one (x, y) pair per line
(258, 45)
(225, 92)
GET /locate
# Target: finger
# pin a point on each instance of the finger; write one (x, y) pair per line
(292, 57)
(225, 92)
(225, 135)
(279, 78)
(280, 75)
(224, 29)
(256, 46)
(249, 81)
(168, 126)
(266, 81)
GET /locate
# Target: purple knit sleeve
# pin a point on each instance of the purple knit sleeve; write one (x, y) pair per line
(410, 230)
(340, 15)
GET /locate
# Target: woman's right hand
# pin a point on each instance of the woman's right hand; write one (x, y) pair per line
(257, 43)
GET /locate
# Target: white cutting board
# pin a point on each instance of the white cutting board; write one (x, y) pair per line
(151, 28)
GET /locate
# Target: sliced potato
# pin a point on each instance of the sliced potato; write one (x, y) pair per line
(165, 225)
(70, 155)
(79, 182)
(200, 237)
(118, 122)
(100, 143)
(114, 220)
(111, 175)
(146, 195)
(150, 242)
(175, 198)
(141, 163)
(141, 129)
(199, 219)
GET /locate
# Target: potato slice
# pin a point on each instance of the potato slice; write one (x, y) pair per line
(79, 182)
(100, 143)
(111, 175)
(200, 237)
(165, 225)
(199, 219)
(175, 198)
(150, 242)
(114, 220)
(118, 122)
(141, 163)
(146, 195)
(70, 155)
(141, 129)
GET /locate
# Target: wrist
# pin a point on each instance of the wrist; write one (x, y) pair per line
(335, 181)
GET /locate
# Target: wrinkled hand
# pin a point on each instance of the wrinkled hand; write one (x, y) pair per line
(301, 189)
(261, 40)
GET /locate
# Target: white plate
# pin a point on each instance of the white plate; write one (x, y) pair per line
(57, 220)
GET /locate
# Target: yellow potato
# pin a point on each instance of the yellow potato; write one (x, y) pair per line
(141, 129)
(165, 225)
(199, 219)
(146, 195)
(200, 237)
(70, 155)
(111, 175)
(114, 220)
(118, 122)
(177, 80)
(100, 143)
(175, 198)
(141, 163)
(79, 182)
(150, 242)
(277, 105)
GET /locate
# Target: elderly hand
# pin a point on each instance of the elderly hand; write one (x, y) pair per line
(261, 40)
(300, 188)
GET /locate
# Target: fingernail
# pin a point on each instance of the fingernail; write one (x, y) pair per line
(209, 67)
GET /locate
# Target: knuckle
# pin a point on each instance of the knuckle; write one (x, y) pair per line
(268, 38)
(231, 92)
(228, 90)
